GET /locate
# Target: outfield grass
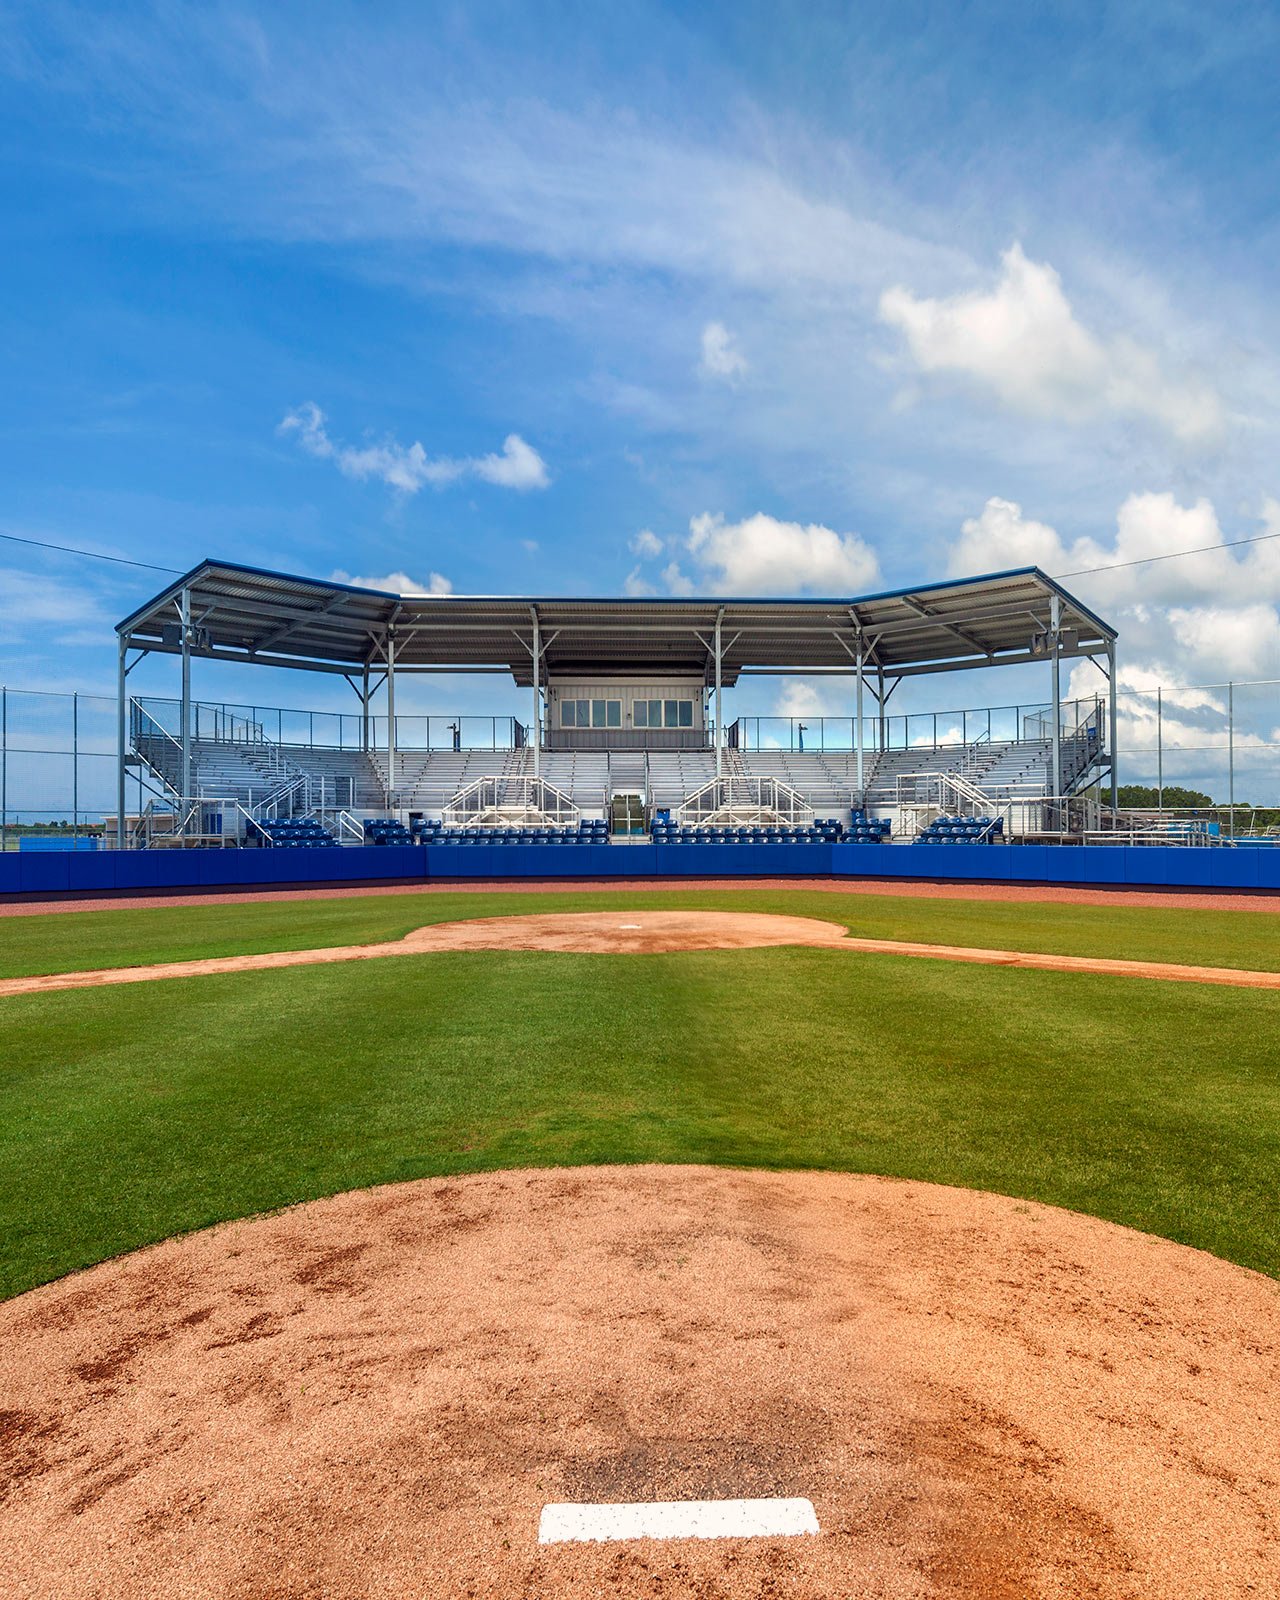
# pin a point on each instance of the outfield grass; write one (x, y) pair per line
(125, 936)
(129, 1114)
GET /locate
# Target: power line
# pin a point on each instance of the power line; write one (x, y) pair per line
(92, 555)
(1172, 555)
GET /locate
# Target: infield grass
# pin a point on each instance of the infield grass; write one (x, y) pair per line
(129, 1114)
(125, 936)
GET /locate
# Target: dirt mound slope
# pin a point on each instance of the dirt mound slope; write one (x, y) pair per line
(375, 1395)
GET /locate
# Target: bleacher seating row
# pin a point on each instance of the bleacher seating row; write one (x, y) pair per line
(295, 834)
(385, 830)
(962, 830)
(863, 829)
(827, 830)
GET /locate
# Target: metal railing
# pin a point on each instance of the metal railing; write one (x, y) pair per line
(734, 801)
(506, 801)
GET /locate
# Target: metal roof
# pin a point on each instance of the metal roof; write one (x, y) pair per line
(246, 614)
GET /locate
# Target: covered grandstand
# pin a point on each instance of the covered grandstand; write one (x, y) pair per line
(625, 734)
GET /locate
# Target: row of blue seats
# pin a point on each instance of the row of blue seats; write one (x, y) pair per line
(501, 836)
(595, 831)
(671, 834)
(295, 835)
(386, 830)
(962, 830)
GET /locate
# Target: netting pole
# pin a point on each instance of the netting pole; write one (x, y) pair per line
(1231, 754)
(1159, 747)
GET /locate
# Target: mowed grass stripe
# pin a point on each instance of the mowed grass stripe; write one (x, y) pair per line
(131, 1114)
(123, 936)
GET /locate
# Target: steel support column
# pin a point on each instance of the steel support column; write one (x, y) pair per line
(537, 694)
(719, 697)
(1055, 642)
(186, 696)
(122, 739)
(1111, 715)
(860, 662)
(391, 718)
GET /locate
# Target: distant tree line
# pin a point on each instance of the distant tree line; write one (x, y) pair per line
(1142, 797)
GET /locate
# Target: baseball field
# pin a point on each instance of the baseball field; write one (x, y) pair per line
(644, 1241)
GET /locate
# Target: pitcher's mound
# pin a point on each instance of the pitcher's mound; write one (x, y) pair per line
(628, 931)
(376, 1395)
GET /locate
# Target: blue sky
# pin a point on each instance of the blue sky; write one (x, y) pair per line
(757, 297)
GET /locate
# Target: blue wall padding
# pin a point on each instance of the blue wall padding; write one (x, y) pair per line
(47, 872)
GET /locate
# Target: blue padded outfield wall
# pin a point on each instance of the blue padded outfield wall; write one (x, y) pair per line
(1159, 866)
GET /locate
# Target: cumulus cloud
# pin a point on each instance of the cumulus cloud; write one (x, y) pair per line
(800, 698)
(637, 585)
(675, 579)
(398, 583)
(408, 468)
(1207, 617)
(762, 555)
(646, 545)
(1023, 340)
(721, 357)
(1147, 525)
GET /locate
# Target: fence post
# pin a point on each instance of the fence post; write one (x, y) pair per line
(1159, 747)
(75, 768)
(1231, 754)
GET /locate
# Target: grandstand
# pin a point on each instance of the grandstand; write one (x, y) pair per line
(626, 724)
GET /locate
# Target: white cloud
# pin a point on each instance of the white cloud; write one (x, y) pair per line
(761, 555)
(1242, 642)
(30, 599)
(1024, 341)
(637, 585)
(1206, 617)
(409, 468)
(646, 545)
(518, 467)
(721, 357)
(398, 583)
(799, 698)
(675, 579)
(1146, 525)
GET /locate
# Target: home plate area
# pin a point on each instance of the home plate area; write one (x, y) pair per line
(650, 1381)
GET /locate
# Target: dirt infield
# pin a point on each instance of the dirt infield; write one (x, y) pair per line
(911, 889)
(636, 933)
(375, 1395)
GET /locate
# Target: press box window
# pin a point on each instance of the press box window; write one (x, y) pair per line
(662, 714)
(591, 713)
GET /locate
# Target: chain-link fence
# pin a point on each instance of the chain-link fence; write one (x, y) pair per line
(58, 765)
(58, 751)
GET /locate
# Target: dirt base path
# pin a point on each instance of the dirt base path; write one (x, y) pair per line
(906, 888)
(373, 1397)
(636, 933)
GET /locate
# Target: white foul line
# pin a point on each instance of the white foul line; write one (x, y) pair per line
(676, 1519)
